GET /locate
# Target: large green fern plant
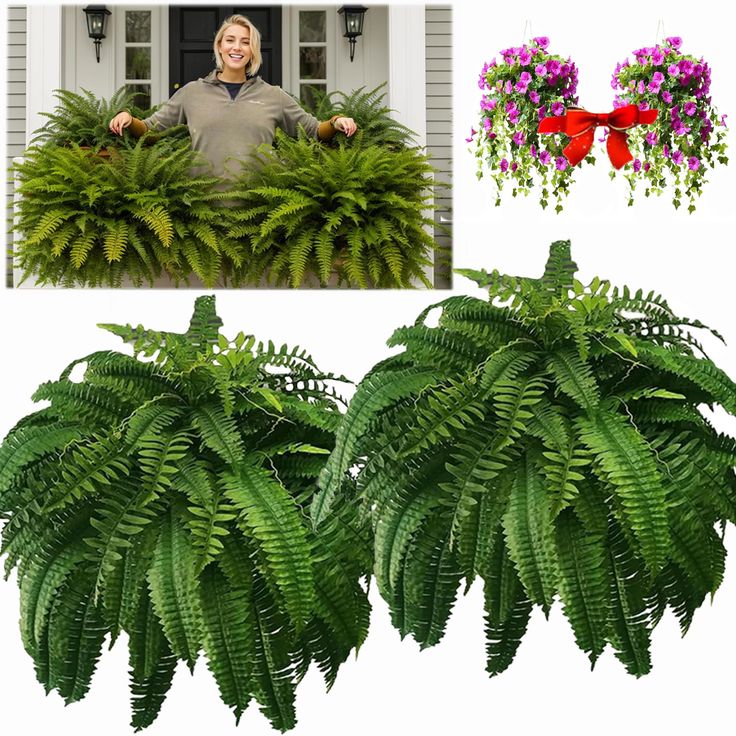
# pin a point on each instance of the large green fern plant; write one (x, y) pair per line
(368, 109)
(166, 498)
(143, 212)
(550, 442)
(357, 212)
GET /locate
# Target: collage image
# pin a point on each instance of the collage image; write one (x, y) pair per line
(368, 369)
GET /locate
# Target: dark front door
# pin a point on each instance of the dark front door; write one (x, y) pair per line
(192, 30)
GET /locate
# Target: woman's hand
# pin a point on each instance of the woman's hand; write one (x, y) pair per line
(121, 121)
(346, 125)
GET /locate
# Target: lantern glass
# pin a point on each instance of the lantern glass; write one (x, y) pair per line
(96, 16)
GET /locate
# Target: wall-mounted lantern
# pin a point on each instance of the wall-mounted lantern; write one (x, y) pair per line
(96, 19)
(353, 16)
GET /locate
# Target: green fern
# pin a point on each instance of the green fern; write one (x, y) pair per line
(166, 496)
(360, 212)
(549, 441)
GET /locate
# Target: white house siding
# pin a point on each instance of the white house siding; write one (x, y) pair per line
(438, 34)
(16, 110)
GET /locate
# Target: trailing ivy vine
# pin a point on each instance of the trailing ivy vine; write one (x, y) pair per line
(551, 442)
(165, 495)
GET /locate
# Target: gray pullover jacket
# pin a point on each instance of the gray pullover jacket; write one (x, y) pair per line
(227, 131)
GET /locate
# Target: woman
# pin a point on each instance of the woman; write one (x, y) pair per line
(230, 111)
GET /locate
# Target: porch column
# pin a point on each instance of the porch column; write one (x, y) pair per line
(407, 67)
(43, 63)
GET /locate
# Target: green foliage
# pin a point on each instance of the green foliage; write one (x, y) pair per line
(369, 111)
(358, 211)
(84, 119)
(550, 442)
(142, 212)
(165, 495)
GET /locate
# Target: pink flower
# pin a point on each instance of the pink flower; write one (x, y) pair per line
(540, 70)
(541, 41)
(514, 166)
(647, 166)
(674, 41)
(519, 138)
(690, 108)
(558, 108)
(545, 157)
(651, 138)
(534, 97)
(508, 87)
(473, 132)
(723, 121)
(560, 163)
(637, 165)
(666, 96)
(693, 163)
(677, 156)
(487, 124)
(504, 165)
(525, 56)
(657, 56)
(541, 112)
(673, 70)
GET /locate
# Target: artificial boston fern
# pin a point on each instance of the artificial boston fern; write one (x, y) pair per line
(368, 110)
(141, 212)
(550, 442)
(357, 211)
(167, 499)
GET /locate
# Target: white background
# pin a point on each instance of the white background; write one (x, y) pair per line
(392, 687)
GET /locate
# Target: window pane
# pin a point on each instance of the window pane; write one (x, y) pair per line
(313, 62)
(308, 97)
(137, 26)
(137, 63)
(312, 25)
(142, 95)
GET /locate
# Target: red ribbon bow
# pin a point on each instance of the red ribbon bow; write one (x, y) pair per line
(580, 125)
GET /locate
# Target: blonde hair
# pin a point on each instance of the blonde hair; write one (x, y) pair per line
(255, 42)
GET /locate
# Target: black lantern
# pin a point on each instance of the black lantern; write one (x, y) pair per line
(96, 19)
(353, 16)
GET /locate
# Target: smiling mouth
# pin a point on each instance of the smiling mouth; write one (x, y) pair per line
(237, 57)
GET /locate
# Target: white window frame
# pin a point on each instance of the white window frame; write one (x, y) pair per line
(159, 49)
(292, 79)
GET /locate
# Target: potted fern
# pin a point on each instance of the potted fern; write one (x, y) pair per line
(164, 496)
(550, 442)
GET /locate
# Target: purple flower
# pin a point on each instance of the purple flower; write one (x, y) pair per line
(533, 150)
(674, 41)
(690, 108)
(666, 96)
(644, 105)
(473, 132)
(541, 112)
(657, 78)
(558, 108)
(519, 138)
(514, 166)
(618, 102)
(679, 128)
(540, 70)
(647, 166)
(637, 165)
(693, 163)
(534, 97)
(541, 41)
(487, 124)
(651, 138)
(545, 157)
(723, 121)
(677, 156)
(560, 163)
(640, 88)
(657, 56)
(508, 87)
(525, 56)
(504, 164)
(673, 70)
(666, 151)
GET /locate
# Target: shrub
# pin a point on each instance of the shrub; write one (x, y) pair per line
(165, 498)
(550, 442)
(357, 211)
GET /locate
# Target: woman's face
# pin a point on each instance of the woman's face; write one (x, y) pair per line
(234, 48)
